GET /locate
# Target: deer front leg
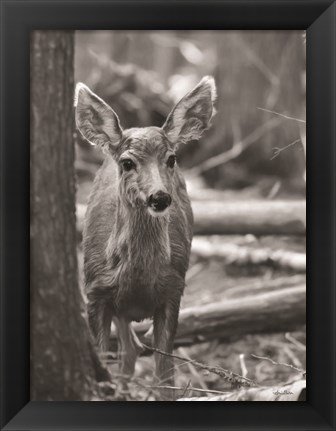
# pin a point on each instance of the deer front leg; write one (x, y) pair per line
(99, 318)
(129, 346)
(165, 325)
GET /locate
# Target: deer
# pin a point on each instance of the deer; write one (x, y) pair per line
(139, 224)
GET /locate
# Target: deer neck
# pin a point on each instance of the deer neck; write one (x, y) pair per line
(139, 238)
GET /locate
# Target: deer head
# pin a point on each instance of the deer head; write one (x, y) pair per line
(145, 156)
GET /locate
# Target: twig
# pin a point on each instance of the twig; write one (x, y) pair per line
(226, 374)
(167, 372)
(186, 388)
(265, 358)
(292, 357)
(282, 115)
(237, 148)
(277, 150)
(193, 370)
(243, 365)
(293, 340)
(274, 190)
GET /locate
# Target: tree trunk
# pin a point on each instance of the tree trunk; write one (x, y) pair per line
(61, 354)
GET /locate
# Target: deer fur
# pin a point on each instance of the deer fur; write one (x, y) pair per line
(136, 257)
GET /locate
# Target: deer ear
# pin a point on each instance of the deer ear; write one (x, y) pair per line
(192, 114)
(96, 121)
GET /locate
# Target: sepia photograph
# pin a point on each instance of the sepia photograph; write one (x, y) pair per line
(168, 215)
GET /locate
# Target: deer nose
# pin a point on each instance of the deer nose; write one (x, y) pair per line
(159, 201)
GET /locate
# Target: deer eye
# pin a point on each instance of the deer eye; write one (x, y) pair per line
(127, 164)
(171, 161)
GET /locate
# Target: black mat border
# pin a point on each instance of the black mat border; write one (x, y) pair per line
(18, 18)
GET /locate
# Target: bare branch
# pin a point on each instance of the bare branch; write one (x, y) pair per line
(226, 374)
(294, 359)
(237, 148)
(193, 370)
(293, 340)
(277, 150)
(265, 358)
(282, 115)
(243, 365)
(187, 387)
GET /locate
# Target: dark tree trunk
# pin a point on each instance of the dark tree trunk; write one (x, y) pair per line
(61, 354)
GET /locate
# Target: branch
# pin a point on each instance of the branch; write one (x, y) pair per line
(265, 358)
(282, 115)
(277, 150)
(237, 148)
(296, 343)
(226, 374)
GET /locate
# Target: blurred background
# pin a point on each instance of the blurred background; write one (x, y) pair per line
(252, 159)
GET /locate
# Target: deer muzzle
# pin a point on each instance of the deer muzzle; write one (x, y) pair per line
(159, 201)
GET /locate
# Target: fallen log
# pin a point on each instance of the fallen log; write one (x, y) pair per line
(242, 255)
(241, 218)
(276, 311)
(263, 286)
(250, 217)
(268, 312)
(295, 391)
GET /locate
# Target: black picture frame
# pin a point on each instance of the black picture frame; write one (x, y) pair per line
(18, 18)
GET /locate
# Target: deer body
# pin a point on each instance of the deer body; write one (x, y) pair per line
(137, 258)
(138, 226)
